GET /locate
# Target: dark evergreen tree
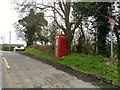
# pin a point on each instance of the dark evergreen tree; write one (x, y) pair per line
(33, 24)
(100, 12)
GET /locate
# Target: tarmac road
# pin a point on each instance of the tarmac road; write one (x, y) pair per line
(26, 72)
(0, 70)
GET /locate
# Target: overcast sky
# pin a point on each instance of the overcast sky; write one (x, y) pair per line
(8, 16)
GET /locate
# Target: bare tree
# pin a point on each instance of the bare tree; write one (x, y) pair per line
(61, 16)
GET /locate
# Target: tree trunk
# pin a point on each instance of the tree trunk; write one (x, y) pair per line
(83, 36)
(69, 41)
(102, 26)
(118, 43)
(68, 27)
(101, 36)
(118, 51)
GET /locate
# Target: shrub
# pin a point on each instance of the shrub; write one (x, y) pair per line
(42, 47)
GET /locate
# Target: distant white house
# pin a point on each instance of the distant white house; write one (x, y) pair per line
(19, 48)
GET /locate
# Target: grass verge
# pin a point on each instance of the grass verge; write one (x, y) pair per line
(88, 64)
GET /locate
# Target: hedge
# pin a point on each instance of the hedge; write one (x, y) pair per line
(6, 48)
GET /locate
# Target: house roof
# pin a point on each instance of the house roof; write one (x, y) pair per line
(12, 45)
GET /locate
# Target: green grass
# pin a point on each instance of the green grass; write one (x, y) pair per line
(84, 63)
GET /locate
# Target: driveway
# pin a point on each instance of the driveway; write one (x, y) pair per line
(26, 72)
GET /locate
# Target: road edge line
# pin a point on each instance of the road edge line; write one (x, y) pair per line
(1, 53)
(6, 62)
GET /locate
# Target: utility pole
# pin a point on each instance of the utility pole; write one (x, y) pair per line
(9, 39)
(112, 47)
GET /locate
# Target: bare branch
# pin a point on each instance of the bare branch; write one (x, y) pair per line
(55, 10)
(60, 5)
(77, 24)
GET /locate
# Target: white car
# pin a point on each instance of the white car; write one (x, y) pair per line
(19, 48)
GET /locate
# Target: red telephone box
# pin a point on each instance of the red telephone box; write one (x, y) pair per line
(60, 48)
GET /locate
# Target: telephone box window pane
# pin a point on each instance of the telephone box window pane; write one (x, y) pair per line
(56, 51)
(56, 42)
